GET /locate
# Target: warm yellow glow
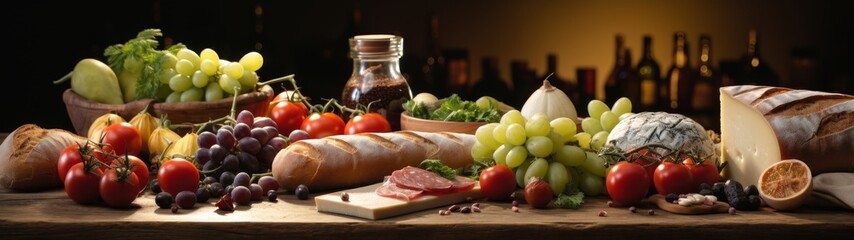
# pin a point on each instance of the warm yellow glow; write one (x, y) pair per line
(754, 62)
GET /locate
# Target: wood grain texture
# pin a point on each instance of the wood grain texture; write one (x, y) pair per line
(51, 215)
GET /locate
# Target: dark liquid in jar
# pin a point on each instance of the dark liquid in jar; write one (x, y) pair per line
(389, 94)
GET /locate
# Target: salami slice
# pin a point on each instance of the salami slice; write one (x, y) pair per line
(391, 190)
(420, 179)
(462, 184)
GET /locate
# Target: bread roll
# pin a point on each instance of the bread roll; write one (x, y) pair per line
(355, 160)
(816, 127)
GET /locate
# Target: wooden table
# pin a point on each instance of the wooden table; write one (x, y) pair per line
(52, 215)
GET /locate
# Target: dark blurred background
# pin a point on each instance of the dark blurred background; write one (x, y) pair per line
(806, 43)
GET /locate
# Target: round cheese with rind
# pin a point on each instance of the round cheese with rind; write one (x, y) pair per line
(669, 129)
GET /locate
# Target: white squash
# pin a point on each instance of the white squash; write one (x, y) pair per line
(551, 101)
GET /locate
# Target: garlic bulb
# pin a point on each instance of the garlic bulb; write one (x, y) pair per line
(551, 101)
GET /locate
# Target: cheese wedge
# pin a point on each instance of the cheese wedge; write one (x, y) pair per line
(748, 142)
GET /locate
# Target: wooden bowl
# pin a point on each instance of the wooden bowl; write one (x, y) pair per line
(424, 125)
(83, 111)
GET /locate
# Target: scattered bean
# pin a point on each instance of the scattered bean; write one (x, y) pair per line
(515, 203)
(515, 209)
(174, 208)
(633, 209)
(731, 211)
(475, 209)
(603, 213)
(454, 208)
(610, 203)
(465, 209)
(345, 197)
(651, 212)
(475, 204)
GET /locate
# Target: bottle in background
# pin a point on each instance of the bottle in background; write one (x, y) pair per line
(705, 100)
(621, 81)
(434, 68)
(586, 79)
(490, 83)
(755, 70)
(524, 82)
(556, 79)
(649, 74)
(458, 73)
(679, 84)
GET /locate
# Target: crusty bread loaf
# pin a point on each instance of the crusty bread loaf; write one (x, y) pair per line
(816, 127)
(355, 160)
(28, 157)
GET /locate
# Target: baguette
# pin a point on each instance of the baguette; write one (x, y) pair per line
(816, 127)
(356, 160)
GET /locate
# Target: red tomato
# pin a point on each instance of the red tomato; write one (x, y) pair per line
(705, 172)
(178, 175)
(672, 177)
(627, 183)
(82, 185)
(649, 160)
(123, 137)
(538, 193)
(288, 115)
(497, 182)
(320, 125)
(369, 122)
(139, 168)
(67, 159)
(119, 187)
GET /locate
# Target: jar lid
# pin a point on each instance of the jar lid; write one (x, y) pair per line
(376, 45)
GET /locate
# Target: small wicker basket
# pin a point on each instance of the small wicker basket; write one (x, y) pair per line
(83, 111)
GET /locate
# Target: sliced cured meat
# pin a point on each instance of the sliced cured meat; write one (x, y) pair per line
(391, 190)
(462, 184)
(420, 179)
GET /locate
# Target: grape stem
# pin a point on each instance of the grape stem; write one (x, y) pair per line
(256, 176)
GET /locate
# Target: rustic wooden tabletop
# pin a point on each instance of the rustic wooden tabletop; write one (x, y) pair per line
(52, 214)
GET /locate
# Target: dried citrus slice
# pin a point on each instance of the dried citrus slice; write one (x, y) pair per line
(786, 184)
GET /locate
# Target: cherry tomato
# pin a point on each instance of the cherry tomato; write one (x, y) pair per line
(178, 175)
(538, 193)
(82, 185)
(672, 177)
(627, 183)
(369, 122)
(288, 115)
(705, 172)
(320, 125)
(123, 137)
(67, 159)
(139, 168)
(119, 187)
(497, 182)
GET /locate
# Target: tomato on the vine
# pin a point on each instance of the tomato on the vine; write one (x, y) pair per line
(627, 183)
(123, 138)
(178, 175)
(497, 182)
(673, 177)
(288, 115)
(67, 158)
(649, 160)
(81, 184)
(139, 168)
(320, 125)
(369, 122)
(119, 187)
(704, 172)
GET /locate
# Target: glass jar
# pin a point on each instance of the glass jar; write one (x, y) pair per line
(376, 78)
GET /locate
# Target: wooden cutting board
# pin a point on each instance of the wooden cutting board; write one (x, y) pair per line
(719, 207)
(365, 203)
